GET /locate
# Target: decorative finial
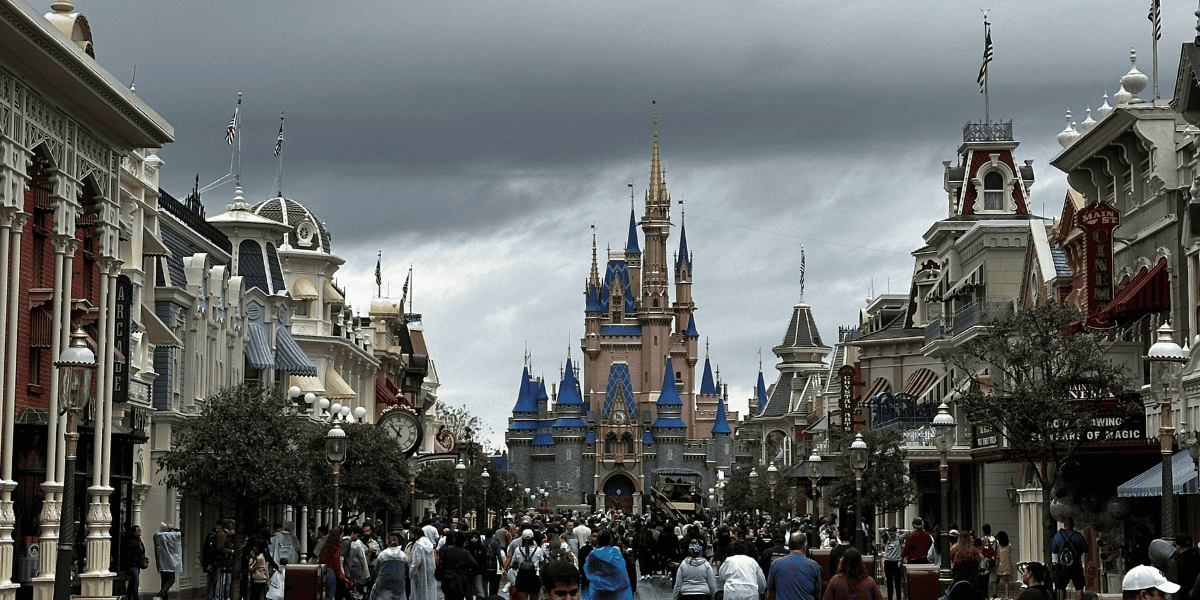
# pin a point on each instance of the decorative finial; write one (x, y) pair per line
(64, 6)
(1104, 109)
(1089, 123)
(1069, 135)
(1134, 81)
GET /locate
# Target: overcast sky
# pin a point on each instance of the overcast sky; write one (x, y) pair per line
(478, 141)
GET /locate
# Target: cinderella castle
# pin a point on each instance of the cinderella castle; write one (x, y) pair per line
(631, 427)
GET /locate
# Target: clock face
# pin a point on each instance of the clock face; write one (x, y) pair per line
(404, 427)
(618, 417)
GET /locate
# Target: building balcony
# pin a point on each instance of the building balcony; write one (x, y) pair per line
(988, 132)
(978, 312)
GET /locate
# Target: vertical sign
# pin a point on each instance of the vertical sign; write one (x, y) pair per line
(1097, 221)
(847, 403)
(120, 383)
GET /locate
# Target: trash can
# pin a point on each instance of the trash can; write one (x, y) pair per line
(821, 555)
(304, 582)
(922, 582)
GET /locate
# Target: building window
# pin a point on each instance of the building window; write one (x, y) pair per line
(993, 191)
(628, 439)
(302, 308)
(609, 441)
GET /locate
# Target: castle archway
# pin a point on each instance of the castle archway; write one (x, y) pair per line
(618, 493)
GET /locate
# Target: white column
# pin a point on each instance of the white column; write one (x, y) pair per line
(97, 579)
(1029, 517)
(8, 306)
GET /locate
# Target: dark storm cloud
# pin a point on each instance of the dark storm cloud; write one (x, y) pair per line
(479, 139)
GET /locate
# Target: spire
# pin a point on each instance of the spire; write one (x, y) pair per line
(568, 393)
(721, 423)
(691, 329)
(669, 406)
(631, 246)
(526, 401)
(683, 262)
(657, 195)
(761, 391)
(594, 280)
(708, 385)
(592, 291)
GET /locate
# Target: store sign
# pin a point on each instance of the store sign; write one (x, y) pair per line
(1107, 428)
(847, 402)
(120, 383)
(986, 437)
(1098, 221)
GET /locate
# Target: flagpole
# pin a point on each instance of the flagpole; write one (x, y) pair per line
(279, 155)
(987, 102)
(237, 179)
(1156, 25)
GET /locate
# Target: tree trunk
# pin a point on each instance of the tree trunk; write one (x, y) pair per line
(1049, 524)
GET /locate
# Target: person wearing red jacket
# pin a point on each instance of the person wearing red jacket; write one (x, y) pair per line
(916, 544)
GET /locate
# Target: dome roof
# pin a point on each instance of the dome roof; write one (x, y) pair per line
(307, 232)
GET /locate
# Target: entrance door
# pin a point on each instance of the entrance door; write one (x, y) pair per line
(618, 493)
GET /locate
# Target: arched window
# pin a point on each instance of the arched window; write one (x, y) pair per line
(628, 439)
(993, 191)
(609, 441)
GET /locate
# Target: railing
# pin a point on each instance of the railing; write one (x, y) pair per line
(979, 312)
(988, 132)
(933, 330)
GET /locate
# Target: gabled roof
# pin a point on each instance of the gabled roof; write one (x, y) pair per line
(617, 274)
(833, 383)
(721, 423)
(620, 389)
(708, 386)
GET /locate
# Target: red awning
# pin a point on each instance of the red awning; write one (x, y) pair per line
(385, 391)
(880, 386)
(1148, 292)
(919, 381)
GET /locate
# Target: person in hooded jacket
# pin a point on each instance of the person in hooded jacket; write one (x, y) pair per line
(458, 569)
(391, 568)
(695, 579)
(608, 578)
(740, 576)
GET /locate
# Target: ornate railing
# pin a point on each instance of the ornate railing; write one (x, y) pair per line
(987, 132)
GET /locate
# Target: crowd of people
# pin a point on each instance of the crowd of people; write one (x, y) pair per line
(539, 556)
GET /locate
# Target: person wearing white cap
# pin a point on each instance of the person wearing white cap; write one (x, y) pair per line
(1144, 583)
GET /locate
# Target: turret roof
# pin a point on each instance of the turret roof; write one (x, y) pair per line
(526, 402)
(669, 396)
(568, 394)
(761, 392)
(631, 245)
(721, 423)
(691, 330)
(708, 385)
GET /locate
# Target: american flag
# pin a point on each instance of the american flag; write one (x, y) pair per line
(801, 269)
(279, 140)
(1155, 17)
(987, 57)
(378, 274)
(231, 130)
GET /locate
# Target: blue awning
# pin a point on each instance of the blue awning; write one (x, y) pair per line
(1183, 478)
(258, 349)
(290, 357)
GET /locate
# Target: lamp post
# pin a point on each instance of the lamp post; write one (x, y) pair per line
(858, 462)
(943, 424)
(460, 477)
(772, 479)
(486, 478)
(1166, 351)
(754, 482)
(335, 453)
(814, 475)
(75, 365)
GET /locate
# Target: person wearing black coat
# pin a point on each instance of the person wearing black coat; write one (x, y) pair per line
(136, 551)
(457, 569)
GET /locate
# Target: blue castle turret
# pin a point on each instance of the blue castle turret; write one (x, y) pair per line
(761, 392)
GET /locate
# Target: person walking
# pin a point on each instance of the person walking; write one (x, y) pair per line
(740, 576)
(915, 550)
(795, 576)
(1067, 550)
(525, 561)
(852, 581)
(458, 569)
(608, 578)
(337, 584)
(285, 545)
(391, 571)
(965, 561)
(695, 578)
(1004, 563)
(423, 562)
(168, 557)
(257, 567)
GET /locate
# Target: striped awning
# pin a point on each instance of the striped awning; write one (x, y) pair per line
(303, 288)
(289, 356)
(307, 384)
(336, 388)
(385, 391)
(152, 245)
(258, 348)
(1183, 478)
(881, 386)
(974, 278)
(919, 381)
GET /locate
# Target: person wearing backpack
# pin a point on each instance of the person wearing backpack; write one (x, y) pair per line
(525, 561)
(208, 558)
(1067, 551)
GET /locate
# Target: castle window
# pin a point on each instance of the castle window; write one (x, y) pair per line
(993, 191)
(628, 439)
(609, 441)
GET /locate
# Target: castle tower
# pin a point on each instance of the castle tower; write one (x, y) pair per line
(569, 434)
(522, 427)
(655, 314)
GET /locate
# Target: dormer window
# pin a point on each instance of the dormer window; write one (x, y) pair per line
(993, 191)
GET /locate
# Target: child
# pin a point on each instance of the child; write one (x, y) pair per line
(258, 573)
(275, 592)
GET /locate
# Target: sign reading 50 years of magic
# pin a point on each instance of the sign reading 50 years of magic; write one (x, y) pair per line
(1101, 429)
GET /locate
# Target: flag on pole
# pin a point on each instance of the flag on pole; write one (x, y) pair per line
(801, 270)
(1155, 17)
(279, 140)
(404, 291)
(231, 130)
(378, 274)
(987, 57)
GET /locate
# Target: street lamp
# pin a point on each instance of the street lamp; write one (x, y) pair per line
(75, 365)
(754, 482)
(858, 462)
(460, 477)
(814, 475)
(1166, 351)
(335, 453)
(943, 424)
(486, 478)
(772, 479)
